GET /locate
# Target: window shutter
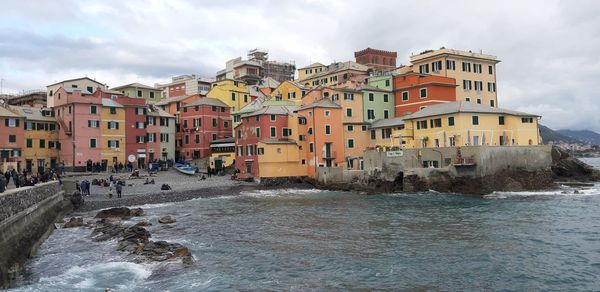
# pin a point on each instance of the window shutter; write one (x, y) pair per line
(89, 124)
(117, 142)
(17, 122)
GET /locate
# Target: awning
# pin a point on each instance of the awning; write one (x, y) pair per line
(223, 145)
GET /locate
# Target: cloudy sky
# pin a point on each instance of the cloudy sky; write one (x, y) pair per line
(549, 49)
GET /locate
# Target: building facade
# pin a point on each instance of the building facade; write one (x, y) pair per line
(138, 90)
(378, 60)
(415, 91)
(203, 121)
(85, 84)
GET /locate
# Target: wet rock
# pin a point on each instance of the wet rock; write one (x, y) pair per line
(120, 212)
(162, 251)
(74, 222)
(106, 230)
(566, 166)
(167, 220)
(76, 200)
(144, 223)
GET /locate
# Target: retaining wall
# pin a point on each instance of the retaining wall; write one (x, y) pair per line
(27, 217)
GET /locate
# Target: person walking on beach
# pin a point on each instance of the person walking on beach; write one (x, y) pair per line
(110, 187)
(119, 189)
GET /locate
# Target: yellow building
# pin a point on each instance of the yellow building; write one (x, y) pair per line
(222, 153)
(41, 138)
(386, 133)
(475, 73)
(234, 93)
(280, 158)
(469, 124)
(112, 127)
(290, 90)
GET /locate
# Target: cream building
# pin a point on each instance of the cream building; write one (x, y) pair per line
(475, 73)
(84, 84)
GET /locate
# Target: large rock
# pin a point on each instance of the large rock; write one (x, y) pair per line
(74, 222)
(167, 220)
(162, 251)
(120, 212)
(106, 230)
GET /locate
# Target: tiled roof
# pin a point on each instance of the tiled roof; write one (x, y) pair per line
(170, 100)
(462, 107)
(75, 79)
(135, 85)
(4, 112)
(272, 110)
(324, 103)
(207, 101)
(387, 123)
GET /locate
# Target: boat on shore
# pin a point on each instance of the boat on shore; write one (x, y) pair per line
(185, 168)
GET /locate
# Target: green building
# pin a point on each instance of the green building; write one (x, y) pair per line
(378, 98)
(151, 94)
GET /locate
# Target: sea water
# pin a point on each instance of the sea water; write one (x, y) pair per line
(320, 240)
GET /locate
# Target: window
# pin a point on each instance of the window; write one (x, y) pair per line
(475, 120)
(240, 151)
(214, 136)
(373, 135)
(93, 143)
(348, 96)
(450, 65)
(327, 129)
(257, 119)
(364, 128)
(197, 138)
(466, 67)
(386, 133)
(478, 85)
(302, 138)
(310, 131)
(467, 84)
(435, 123)
(387, 82)
(90, 89)
(423, 92)
(491, 87)
(436, 66)
(29, 126)
(422, 125)
(225, 124)
(140, 111)
(386, 114)
(350, 128)
(197, 122)
(303, 161)
(213, 108)
(527, 120)
(371, 97)
(185, 124)
(257, 130)
(273, 132)
(139, 93)
(93, 124)
(93, 109)
(113, 125)
(187, 139)
(477, 68)
(311, 147)
(370, 114)
(424, 69)
(467, 99)
(490, 69)
(185, 109)
(479, 101)
(140, 125)
(327, 113)
(12, 138)
(350, 143)
(404, 95)
(29, 143)
(113, 110)
(349, 112)
(385, 98)
(113, 144)
(452, 141)
(151, 94)
(501, 120)
(273, 117)
(450, 121)
(492, 103)
(233, 96)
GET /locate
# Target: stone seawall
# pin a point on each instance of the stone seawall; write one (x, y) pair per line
(27, 218)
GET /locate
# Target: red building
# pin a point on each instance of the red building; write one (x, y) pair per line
(203, 121)
(414, 91)
(269, 122)
(377, 60)
(12, 139)
(136, 133)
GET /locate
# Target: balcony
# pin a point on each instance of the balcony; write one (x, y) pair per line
(329, 154)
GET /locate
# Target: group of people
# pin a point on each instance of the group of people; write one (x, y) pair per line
(26, 178)
(117, 185)
(84, 187)
(120, 167)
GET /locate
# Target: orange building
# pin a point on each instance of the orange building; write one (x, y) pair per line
(414, 91)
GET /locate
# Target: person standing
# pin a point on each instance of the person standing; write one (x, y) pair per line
(15, 177)
(209, 171)
(2, 184)
(119, 189)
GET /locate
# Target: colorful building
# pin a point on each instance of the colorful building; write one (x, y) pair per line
(84, 84)
(290, 90)
(11, 140)
(162, 126)
(378, 98)
(378, 60)
(386, 133)
(233, 93)
(203, 121)
(474, 73)
(138, 90)
(415, 91)
(41, 138)
(469, 124)
(78, 113)
(185, 85)
(333, 74)
(113, 130)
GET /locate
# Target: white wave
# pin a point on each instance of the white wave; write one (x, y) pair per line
(564, 191)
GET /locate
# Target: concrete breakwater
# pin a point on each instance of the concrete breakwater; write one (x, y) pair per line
(27, 216)
(468, 170)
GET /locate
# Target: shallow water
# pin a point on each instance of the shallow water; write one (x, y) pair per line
(321, 240)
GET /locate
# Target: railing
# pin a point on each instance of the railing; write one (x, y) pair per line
(329, 154)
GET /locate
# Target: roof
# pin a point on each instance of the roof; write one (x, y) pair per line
(324, 103)
(273, 110)
(170, 100)
(252, 106)
(298, 84)
(269, 82)
(462, 107)
(223, 141)
(387, 123)
(316, 64)
(17, 112)
(156, 111)
(368, 87)
(254, 90)
(30, 113)
(340, 66)
(443, 51)
(135, 85)
(75, 79)
(207, 101)
(72, 89)
(278, 141)
(110, 103)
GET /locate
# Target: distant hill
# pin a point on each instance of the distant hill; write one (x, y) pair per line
(549, 135)
(590, 137)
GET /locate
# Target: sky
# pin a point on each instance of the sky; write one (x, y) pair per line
(548, 49)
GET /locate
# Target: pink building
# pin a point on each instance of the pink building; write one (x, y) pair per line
(78, 115)
(11, 139)
(203, 121)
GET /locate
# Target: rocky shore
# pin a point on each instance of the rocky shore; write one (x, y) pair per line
(133, 239)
